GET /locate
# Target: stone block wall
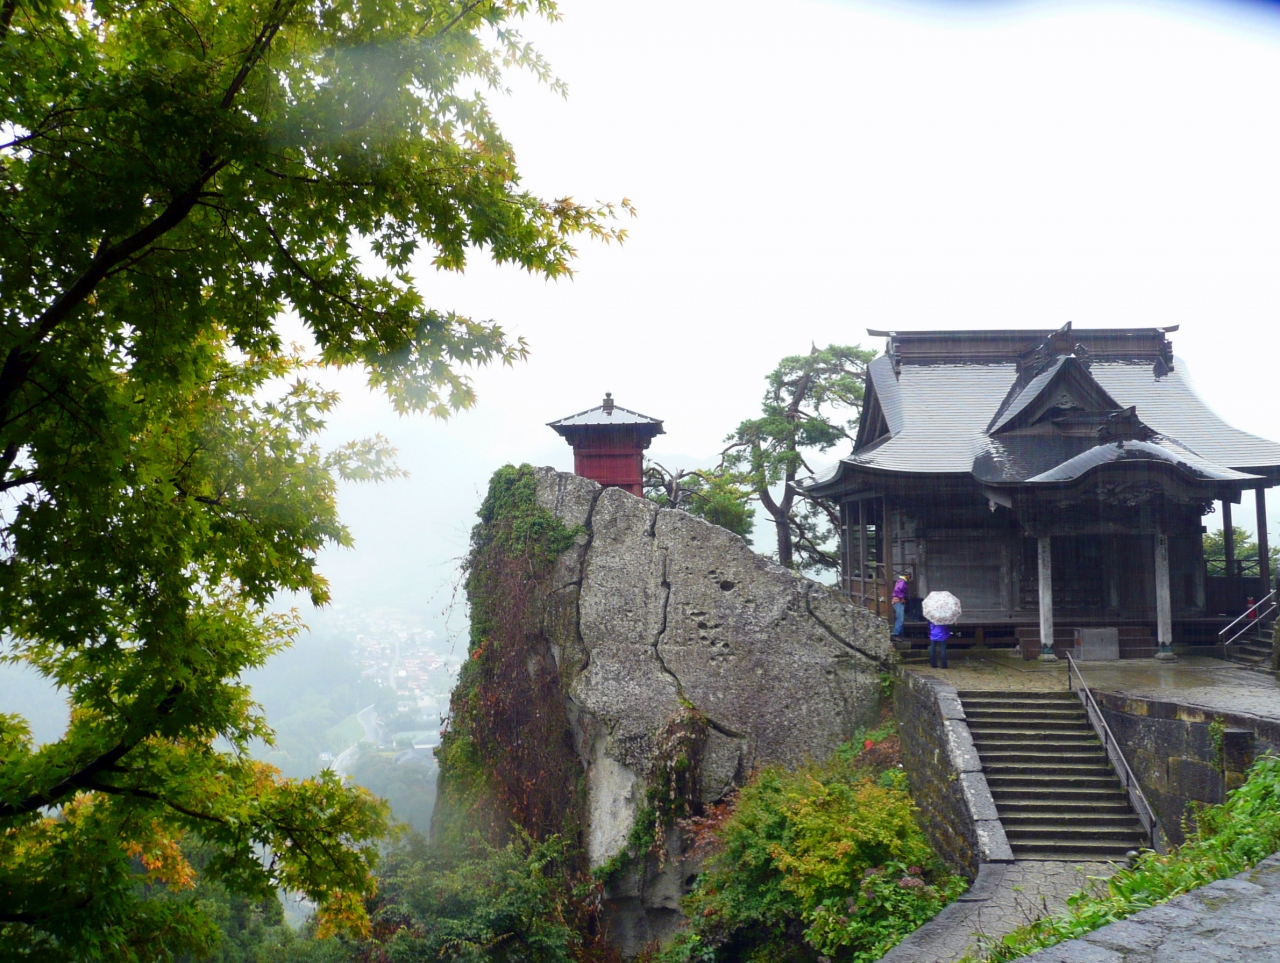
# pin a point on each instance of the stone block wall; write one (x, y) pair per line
(1185, 755)
(956, 809)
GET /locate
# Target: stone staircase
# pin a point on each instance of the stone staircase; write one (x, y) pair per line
(1052, 783)
(1254, 647)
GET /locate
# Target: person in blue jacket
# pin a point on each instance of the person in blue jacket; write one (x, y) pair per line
(938, 635)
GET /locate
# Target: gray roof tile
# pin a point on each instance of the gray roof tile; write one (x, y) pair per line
(939, 415)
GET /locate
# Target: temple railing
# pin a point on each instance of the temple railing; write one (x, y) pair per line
(1261, 610)
(1146, 815)
(1247, 567)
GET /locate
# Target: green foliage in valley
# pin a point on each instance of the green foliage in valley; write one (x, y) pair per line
(1226, 840)
(409, 787)
(174, 178)
(825, 861)
(516, 903)
(311, 693)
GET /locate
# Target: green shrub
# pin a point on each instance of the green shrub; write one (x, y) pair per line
(1228, 839)
(510, 903)
(827, 860)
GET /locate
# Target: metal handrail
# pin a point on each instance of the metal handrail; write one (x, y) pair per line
(1146, 815)
(1257, 617)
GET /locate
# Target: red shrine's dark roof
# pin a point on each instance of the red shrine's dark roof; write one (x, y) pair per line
(1040, 407)
(608, 415)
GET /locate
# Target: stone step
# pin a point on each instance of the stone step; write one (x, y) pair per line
(1123, 838)
(1008, 721)
(1083, 822)
(1035, 754)
(1038, 707)
(1106, 804)
(1046, 767)
(1064, 714)
(1037, 742)
(1073, 851)
(1249, 650)
(999, 737)
(1048, 783)
(1029, 722)
(1076, 800)
(980, 695)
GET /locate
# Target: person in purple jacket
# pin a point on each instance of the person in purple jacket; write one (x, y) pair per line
(900, 591)
(938, 635)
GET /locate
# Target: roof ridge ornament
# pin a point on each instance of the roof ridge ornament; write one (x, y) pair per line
(1124, 425)
(1059, 343)
(608, 403)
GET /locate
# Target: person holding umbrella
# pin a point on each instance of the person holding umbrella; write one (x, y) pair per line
(942, 609)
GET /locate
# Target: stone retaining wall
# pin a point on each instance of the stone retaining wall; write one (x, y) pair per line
(1180, 756)
(956, 809)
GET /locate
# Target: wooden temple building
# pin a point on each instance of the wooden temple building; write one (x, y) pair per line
(1052, 481)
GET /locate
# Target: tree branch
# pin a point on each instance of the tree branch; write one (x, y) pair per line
(6, 16)
(21, 358)
(154, 797)
(84, 776)
(18, 482)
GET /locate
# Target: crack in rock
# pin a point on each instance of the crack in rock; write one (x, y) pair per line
(665, 584)
(836, 635)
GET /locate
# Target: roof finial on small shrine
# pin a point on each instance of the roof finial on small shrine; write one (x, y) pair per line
(608, 402)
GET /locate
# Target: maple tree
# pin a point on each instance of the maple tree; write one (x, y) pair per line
(175, 178)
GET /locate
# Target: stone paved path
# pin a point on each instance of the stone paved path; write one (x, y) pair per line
(1193, 681)
(1231, 921)
(1003, 898)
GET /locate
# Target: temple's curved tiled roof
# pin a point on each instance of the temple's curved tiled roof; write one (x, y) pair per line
(944, 411)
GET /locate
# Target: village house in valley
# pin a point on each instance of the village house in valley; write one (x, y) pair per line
(1054, 481)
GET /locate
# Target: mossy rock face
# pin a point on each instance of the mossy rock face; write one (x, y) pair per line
(507, 758)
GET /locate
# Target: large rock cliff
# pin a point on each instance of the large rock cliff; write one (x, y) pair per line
(658, 616)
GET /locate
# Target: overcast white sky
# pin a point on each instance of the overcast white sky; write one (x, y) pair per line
(806, 170)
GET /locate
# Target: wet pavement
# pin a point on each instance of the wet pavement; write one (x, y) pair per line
(1007, 897)
(1210, 684)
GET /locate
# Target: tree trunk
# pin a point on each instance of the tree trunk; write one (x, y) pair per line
(785, 555)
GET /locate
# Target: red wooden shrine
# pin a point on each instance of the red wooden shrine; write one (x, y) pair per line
(608, 443)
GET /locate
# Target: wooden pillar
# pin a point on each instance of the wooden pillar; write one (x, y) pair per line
(1164, 601)
(1111, 566)
(1199, 576)
(1045, 554)
(1228, 540)
(862, 551)
(1264, 552)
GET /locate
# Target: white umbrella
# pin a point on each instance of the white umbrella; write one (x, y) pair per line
(941, 608)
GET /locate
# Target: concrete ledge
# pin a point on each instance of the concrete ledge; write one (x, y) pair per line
(922, 944)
